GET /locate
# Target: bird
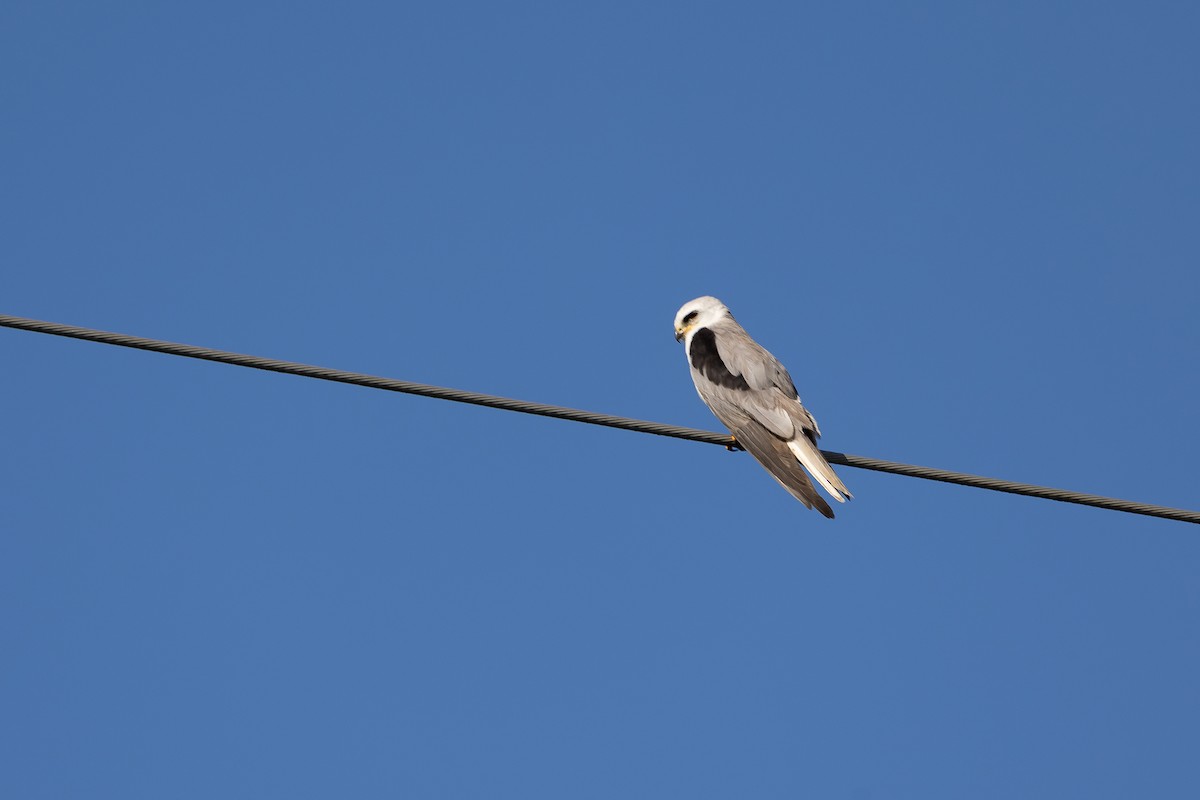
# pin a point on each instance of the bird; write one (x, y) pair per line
(753, 395)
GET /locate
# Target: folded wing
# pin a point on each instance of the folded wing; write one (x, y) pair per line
(775, 455)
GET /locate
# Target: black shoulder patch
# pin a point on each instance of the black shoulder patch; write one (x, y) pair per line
(707, 361)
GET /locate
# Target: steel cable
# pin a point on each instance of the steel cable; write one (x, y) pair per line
(577, 415)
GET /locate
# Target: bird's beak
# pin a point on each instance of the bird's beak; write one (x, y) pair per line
(679, 332)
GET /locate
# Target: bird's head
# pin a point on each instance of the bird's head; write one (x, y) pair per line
(699, 313)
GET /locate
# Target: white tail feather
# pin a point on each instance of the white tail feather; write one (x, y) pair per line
(819, 468)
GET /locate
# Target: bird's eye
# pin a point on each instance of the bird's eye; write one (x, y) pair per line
(691, 315)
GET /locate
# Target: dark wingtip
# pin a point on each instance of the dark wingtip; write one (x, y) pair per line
(823, 507)
(773, 454)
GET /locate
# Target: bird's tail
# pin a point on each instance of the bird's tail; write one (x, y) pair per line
(773, 453)
(808, 455)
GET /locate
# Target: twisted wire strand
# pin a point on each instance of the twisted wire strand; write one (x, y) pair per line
(577, 415)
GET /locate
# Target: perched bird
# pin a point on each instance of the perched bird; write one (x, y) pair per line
(752, 393)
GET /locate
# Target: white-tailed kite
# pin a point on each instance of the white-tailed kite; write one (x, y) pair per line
(752, 393)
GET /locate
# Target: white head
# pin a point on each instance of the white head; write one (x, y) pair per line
(699, 313)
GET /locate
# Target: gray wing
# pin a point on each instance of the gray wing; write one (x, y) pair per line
(752, 393)
(774, 454)
(769, 395)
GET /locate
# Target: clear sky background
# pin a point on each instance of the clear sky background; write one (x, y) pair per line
(972, 231)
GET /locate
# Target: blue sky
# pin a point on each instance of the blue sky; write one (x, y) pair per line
(970, 231)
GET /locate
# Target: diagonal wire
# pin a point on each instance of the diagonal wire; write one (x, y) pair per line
(576, 415)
